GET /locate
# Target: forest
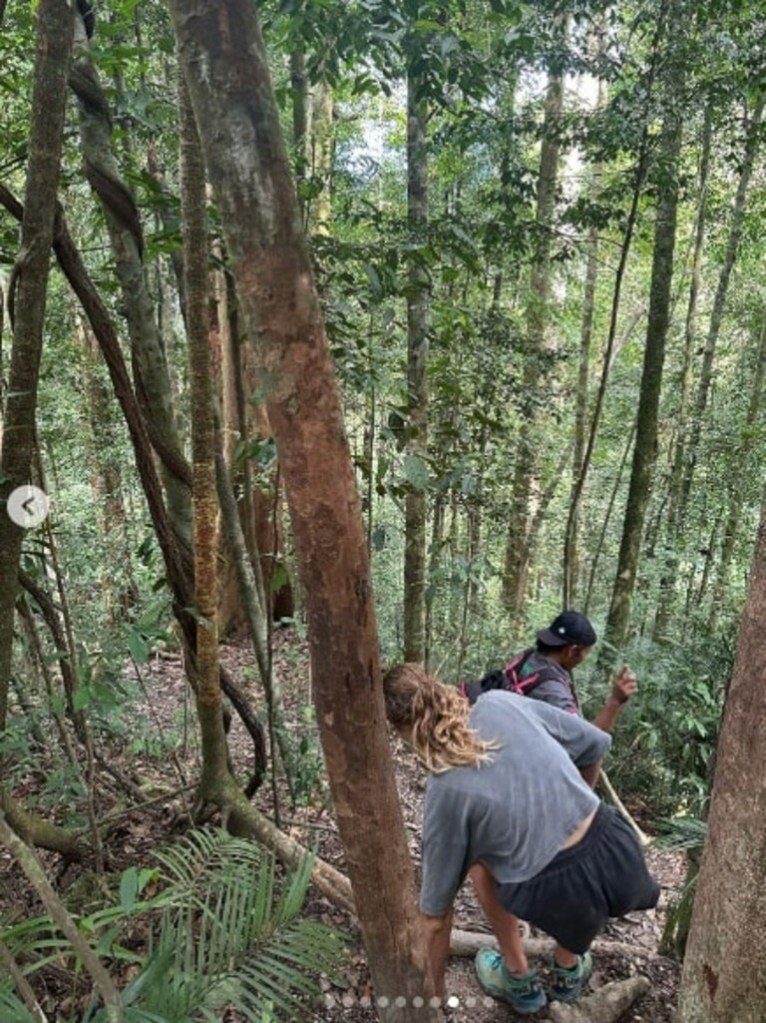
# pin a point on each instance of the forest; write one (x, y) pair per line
(357, 357)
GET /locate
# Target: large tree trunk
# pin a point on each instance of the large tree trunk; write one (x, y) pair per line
(27, 295)
(418, 298)
(724, 976)
(248, 168)
(645, 451)
(538, 360)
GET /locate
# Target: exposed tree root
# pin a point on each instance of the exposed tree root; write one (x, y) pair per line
(39, 832)
(605, 1006)
(244, 819)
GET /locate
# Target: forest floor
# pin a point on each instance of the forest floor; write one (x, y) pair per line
(133, 837)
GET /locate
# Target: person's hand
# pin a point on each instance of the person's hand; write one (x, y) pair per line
(624, 685)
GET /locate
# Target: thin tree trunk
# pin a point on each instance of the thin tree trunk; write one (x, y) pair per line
(742, 470)
(723, 977)
(37, 877)
(27, 297)
(736, 224)
(175, 553)
(150, 368)
(538, 356)
(215, 762)
(322, 114)
(418, 305)
(248, 168)
(604, 525)
(645, 451)
(667, 582)
(571, 572)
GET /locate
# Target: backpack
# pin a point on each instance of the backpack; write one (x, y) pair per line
(508, 678)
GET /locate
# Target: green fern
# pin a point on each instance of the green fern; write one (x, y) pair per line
(221, 937)
(12, 1009)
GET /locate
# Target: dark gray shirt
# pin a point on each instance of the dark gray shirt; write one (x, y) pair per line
(515, 812)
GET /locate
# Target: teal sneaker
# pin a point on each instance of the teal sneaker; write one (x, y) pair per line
(568, 983)
(524, 993)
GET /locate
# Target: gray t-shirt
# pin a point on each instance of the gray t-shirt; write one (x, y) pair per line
(516, 811)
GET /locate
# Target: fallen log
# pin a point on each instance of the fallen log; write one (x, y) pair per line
(605, 1006)
(334, 885)
(468, 943)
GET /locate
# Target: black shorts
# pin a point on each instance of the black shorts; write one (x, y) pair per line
(604, 875)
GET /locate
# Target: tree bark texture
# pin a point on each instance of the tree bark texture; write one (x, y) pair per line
(645, 450)
(418, 300)
(150, 368)
(741, 470)
(538, 361)
(724, 975)
(215, 770)
(27, 295)
(224, 61)
(719, 302)
(667, 582)
(176, 555)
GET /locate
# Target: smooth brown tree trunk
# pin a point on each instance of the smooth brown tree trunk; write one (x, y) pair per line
(645, 451)
(418, 302)
(724, 975)
(248, 167)
(27, 297)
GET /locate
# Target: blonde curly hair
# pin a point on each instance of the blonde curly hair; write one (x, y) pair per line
(438, 717)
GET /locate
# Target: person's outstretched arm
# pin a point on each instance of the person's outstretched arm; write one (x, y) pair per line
(624, 687)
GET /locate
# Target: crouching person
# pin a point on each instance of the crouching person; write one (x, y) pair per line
(506, 801)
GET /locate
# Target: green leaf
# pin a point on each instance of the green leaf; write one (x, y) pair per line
(415, 472)
(128, 888)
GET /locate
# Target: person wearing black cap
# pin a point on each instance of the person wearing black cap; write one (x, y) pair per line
(544, 672)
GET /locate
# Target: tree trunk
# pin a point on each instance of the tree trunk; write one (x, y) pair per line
(645, 451)
(538, 354)
(571, 573)
(248, 168)
(667, 582)
(724, 975)
(322, 113)
(418, 301)
(742, 470)
(215, 767)
(176, 556)
(27, 295)
(150, 368)
(719, 302)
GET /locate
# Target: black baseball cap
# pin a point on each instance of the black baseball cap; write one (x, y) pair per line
(568, 627)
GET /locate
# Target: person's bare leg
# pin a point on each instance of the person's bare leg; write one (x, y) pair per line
(504, 924)
(563, 957)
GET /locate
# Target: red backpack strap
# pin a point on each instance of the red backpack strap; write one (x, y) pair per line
(512, 670)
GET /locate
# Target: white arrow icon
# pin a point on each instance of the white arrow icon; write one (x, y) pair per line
(28, 506)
